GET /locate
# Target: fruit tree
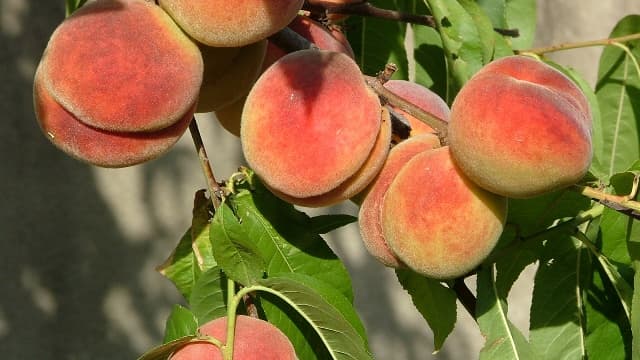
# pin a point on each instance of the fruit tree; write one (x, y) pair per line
(471, 156)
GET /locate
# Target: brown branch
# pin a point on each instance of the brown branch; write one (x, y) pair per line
(365, 8)
(582, 44)
(466, 297)
(215, 192)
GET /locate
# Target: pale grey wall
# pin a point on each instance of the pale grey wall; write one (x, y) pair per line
(78, 245)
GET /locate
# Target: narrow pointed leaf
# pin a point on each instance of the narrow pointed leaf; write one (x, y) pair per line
(503, 340)
(337, 335)
(181, 268)
(233, 248)
(208, 300)
(557, 325)
(435, 302)
(163, 352)
(618, 88)
(283, 237)
(181, 323)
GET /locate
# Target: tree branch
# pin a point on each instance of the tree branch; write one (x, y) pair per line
(215, 192)
(578, 45)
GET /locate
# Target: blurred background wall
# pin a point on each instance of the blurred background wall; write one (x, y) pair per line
(78, 245)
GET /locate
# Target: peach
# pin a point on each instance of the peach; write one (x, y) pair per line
(229, 74)
(326, 39)
(332, 3)
(309, 123)
(369, 216)
(96, 146)
(360, 179)
(436, 221)
(229, 116)
(122, 65)
(225, 23)
(422, 97)
(254, 339)
(520, 128)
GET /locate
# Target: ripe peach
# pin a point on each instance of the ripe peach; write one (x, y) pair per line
(360, 179)
(309, 123)
(254, 339)
(436, 221)
(96, 146)
(329, 3)
(229, 115)
(520, 128)
(369, 218)
(224, 23)
(122, 65)
(229, 74)
(422, 97)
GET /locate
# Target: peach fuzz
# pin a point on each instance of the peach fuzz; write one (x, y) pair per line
(361, 179)
(369, 216)
(100, 147)
(309, 123)
(423, 98)
(436, 221)
(520, 128)
(122, 65)
(225, 23)
(229, 74)
(254, 339)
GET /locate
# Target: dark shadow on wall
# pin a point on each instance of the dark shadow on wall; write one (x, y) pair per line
(66, 270)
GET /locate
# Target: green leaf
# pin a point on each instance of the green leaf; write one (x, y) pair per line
(181, 268)
(461, 40)
(557, 322)
(608, 329)
(337, 335)
(503, 340)
(233, 248)
(618, 91)
(73, 5)
(323, 224)
(536, 214)
(200, 225)
(331, 296)
(484, 27)
(513, 14)
(283, 237)
(377, 42)
(435, 301)
(635, 316)
(163, 352)
(430, 62)
(181, 323)
(208, 300)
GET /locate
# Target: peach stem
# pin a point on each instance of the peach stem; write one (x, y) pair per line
(215, 192)
(615, 202)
